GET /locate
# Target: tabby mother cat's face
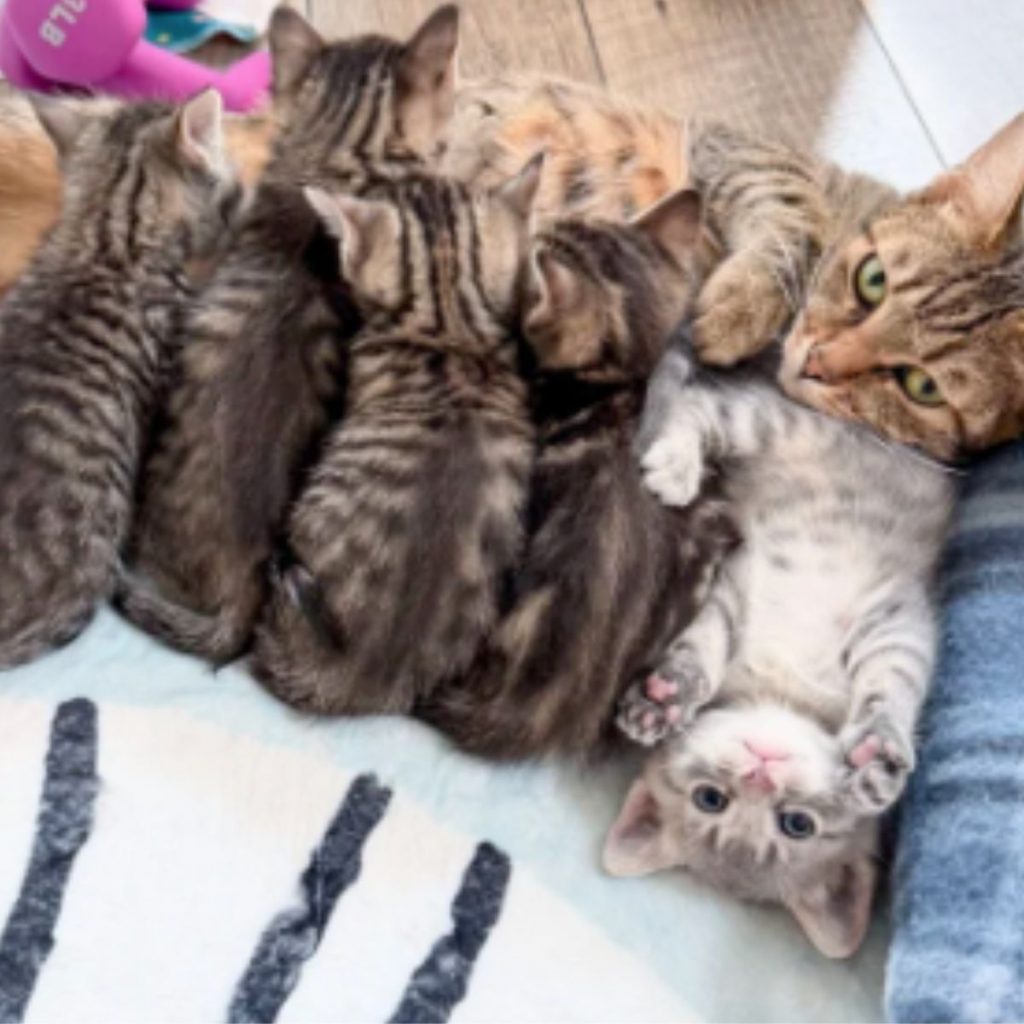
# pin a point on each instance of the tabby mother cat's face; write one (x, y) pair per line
(752, 801)
(916, 326)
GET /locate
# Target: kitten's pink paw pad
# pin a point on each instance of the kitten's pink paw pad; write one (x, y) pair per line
(661, 690)
(865, 751)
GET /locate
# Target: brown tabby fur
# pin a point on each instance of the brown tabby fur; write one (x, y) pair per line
(609, 571)
(85, 339)
(776, 211)
(399, 544)
(262, 367)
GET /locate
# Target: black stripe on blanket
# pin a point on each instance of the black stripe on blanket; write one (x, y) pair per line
(62, 827)
(440, 982)
(294, 935)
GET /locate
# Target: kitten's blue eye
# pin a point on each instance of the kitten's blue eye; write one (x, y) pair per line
(710, 799)
(797, 824)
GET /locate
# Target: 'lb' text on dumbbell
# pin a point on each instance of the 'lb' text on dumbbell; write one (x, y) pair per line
(66, 11)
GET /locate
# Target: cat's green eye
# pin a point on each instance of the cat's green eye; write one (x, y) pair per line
(869, 282)
(918, 386)
(797, 824)
(710, 799)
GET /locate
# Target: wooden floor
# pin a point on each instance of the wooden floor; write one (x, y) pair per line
(894, 87)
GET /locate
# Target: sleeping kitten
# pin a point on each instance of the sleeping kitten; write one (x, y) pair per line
(609, 575)
(84, 339)
(796, 690)
(262, 371)
(413, 515)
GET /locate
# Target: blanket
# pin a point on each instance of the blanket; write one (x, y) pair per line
(175, 845)
(958, 946)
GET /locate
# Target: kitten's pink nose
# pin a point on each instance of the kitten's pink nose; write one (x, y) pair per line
(759, 775)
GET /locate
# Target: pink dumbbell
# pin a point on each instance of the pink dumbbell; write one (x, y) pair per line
(98, 45)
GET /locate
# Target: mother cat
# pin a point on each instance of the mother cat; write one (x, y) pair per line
(910, 310)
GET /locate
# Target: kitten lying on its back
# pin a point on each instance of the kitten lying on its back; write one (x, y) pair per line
(609, 574)
(85, 338)
(797, 688)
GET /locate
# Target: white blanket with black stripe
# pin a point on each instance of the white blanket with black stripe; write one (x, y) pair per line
(175, 846)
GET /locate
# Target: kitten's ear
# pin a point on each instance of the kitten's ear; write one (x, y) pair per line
(638, 843)
(293, 45)
(360, 225)
(984, 192)
(63, 120)
(835, 912)
(425, 80)
(520, 190)
(428, 58)
(198, 130)
(675, 223)
(556, 289)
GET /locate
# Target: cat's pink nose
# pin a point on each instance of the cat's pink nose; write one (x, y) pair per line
(813, 368)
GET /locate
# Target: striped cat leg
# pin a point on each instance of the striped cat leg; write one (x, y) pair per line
(691, 671)
(889, 657)
(767, 205)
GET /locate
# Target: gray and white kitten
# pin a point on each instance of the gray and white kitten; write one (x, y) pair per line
(793, 696)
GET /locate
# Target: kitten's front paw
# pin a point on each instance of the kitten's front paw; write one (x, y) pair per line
(672, 468)
(879, 759)
(741, 310)
(650, 711)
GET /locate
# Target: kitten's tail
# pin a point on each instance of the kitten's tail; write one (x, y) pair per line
(220, 638)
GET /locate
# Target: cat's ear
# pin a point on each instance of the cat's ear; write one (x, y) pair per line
(983, 193)
(835, 912)
(555, 289)
(675, 223)
(63, 120)
(425, 80)
(428, 58)
(639, 842)
(520, 190)
(199, 130)
(293, 45)
(362, 227)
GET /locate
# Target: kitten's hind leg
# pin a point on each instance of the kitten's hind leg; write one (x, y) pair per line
(691, 672)
(888, 657)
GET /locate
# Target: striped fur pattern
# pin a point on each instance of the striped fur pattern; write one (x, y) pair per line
(794, 233)
(765, 203)
(262, 375)
(84, 342)
(937, 361)
(398, 548)
(609, 575)
(798, 686)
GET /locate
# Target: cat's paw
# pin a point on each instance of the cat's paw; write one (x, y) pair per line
(666, 702)
(649, 711)
(673, 468)
(879, 759)
(741, 310)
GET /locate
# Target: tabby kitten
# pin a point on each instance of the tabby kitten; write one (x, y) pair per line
(84, 339)
(398, 546)
(922, 341)
(797, 688)
(909, 310)
(609, 575)
(261, 374)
